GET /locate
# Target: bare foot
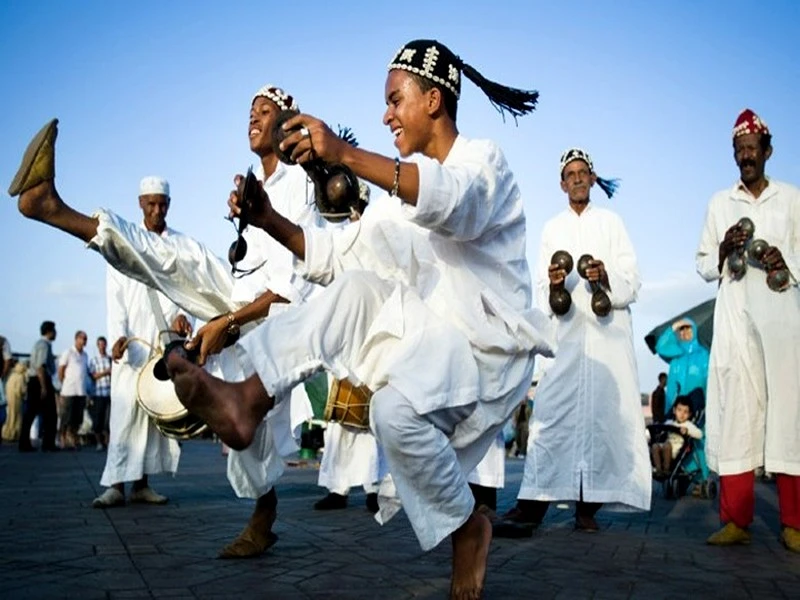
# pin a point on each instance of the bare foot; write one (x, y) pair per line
(41, 202)
(231, 410)
(470, 553)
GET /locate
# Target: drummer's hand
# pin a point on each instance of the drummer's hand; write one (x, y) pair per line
(773, 259)
(118, 349)
(319, 142)
(210, 338)
(596, 272)
(182, 326)
(557, 276)
(260, 209)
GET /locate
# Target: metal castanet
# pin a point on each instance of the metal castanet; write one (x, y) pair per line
(737, 264)
(601, 302)
(777, 279)
(336, 189)
(560, 299)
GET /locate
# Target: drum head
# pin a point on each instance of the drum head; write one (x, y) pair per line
(157, 398)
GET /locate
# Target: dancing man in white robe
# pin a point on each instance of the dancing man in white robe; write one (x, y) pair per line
(753, 404)
(136, 447)
(586, 441)
(191, 275)
(428, 304)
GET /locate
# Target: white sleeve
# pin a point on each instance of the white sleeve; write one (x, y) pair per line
(116, 311)
(693, 430)
(707, 256)
(464, 200)
(622, 269)
(63, 359)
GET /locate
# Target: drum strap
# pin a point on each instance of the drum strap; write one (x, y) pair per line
(165, 334)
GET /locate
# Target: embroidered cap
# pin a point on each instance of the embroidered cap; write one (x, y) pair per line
(609, 186)
(278, 96)
(749, 122)
(433, 60)
(154, 185)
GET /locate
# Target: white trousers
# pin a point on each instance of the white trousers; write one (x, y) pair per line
(427, 454)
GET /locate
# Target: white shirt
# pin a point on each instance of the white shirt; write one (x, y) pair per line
(76, 372)
(461, 249)
(292, 195)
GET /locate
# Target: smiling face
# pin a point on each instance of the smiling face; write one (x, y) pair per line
(750, 157)
(576, 181)
(263, 113)
(409, 112)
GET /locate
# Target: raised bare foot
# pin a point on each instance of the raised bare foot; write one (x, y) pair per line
(470, 552)
(231, 410)
(41, 202)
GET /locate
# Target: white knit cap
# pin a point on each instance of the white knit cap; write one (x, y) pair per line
(154, 185)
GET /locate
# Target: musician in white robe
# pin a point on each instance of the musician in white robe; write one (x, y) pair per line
(586, 440)
(753, 404)
(136, 448)
(428, 304)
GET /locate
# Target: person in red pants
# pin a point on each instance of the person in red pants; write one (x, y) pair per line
(753, 407)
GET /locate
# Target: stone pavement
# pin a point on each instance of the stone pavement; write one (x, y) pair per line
(54, 545)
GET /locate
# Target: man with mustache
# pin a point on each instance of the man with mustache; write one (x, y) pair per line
(587, 441)
(753, 404)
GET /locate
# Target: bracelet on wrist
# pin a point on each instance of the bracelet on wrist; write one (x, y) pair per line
(396, 182)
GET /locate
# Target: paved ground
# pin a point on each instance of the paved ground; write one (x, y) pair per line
(54, 545)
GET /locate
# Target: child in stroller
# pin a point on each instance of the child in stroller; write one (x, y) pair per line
(673, 448)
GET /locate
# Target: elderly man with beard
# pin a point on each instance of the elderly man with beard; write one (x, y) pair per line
(753, 404)
(428, 303)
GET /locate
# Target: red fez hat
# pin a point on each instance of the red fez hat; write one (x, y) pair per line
(749, 122)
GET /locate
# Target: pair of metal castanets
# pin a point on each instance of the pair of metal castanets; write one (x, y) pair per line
(561, 300)
(754, 250)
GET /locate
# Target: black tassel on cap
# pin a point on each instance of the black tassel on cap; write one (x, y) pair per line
(435, 61)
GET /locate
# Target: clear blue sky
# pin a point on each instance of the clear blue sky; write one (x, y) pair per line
(651, 90)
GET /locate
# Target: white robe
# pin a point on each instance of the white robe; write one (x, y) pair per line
(587, 430)
(450, 317)
(202, 284)
(136, 447)
(753, 403)
(351, 458)
(252, 472)
(491, 471)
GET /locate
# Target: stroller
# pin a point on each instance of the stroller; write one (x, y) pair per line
(689, 466)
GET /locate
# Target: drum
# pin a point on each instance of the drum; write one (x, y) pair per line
(158, 399)
(348, 405)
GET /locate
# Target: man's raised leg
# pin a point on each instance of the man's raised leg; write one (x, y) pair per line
(34, 184)
(232, 410)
